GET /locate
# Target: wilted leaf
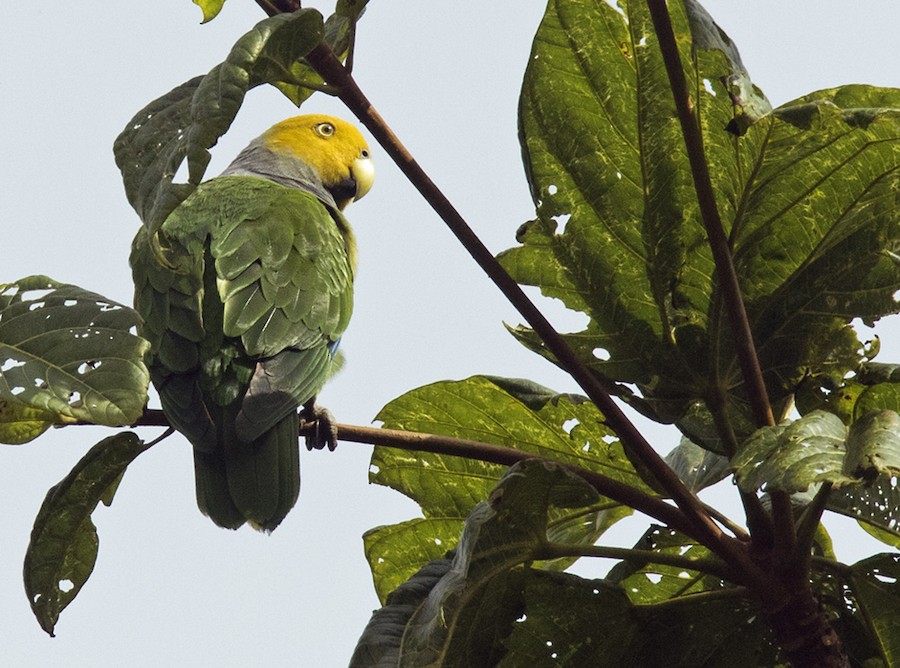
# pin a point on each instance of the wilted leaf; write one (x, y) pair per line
(189, 120)
(70, 353)
(64, 542)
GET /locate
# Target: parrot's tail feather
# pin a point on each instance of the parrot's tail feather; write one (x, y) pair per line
(264, 474)
(213, 496)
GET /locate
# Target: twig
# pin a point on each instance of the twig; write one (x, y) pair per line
(710, 566)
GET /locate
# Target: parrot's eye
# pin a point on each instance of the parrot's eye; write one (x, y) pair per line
(325, 129)
(364, 153)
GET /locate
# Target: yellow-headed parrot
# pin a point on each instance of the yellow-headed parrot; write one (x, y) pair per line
(245, 291)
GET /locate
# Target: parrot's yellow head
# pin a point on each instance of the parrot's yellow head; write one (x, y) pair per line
(335, 149)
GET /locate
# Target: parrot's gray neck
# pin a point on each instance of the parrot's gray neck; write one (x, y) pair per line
(257, 160)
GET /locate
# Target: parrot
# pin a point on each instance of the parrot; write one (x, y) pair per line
(244, 292)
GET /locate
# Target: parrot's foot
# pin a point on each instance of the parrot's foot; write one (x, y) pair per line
(326, 432)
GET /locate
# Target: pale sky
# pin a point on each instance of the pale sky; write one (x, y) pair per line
(170, 588)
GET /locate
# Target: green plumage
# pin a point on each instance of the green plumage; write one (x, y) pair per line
(244, 292)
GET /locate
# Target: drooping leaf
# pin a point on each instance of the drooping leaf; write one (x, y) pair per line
(211, 8)
(472, 604)
(64, 541)
(818, 448)
(20, 423)
(806, 194)
(697, 467)
(379, 645)
(70, 354)
(499, 411)
(876, 587)
(187, 121)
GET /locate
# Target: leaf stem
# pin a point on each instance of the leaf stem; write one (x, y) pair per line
(704, 529)
(558, 550)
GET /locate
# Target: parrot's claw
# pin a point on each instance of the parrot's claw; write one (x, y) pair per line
(326, 432)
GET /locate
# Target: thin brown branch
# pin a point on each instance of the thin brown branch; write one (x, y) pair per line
(498, 454)
(705, 529)
(732, 297)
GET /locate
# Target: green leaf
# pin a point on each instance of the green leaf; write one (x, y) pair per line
(818, 448)
(20, 423)
(211, 8)
(397, 551)
(64, 541)
(70, 353)
(806, 193)
(508, 529)
(875, 587)
(187, 121)
(501, 411)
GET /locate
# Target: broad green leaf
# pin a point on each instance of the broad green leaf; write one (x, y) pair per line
(876, 587)
(501, 533)
(70, 353)
(806, 193)
(20, 423)
(818, 448)
(64, 541)
(500, 411)
(211, 8)
(187, 121)
(397, 551)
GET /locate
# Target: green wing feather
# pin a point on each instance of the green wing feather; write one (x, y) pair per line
(243, 298)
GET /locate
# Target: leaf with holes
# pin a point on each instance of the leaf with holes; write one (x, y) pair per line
(501, 411)
(187, 121)
(71, 353)
(807, 195)
(64, 542)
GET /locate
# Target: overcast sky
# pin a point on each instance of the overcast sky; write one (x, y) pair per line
(169, 587)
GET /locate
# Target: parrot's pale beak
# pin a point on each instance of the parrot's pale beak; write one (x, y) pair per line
(363, 172)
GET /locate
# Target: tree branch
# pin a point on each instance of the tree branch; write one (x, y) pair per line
(705, 529)
(732, 297)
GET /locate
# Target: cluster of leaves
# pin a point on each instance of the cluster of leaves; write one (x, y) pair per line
(809, 200)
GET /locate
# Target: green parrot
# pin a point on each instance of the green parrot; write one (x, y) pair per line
(245, 291)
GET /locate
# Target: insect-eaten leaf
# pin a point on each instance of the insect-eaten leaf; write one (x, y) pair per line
(64, 541)
(69, 354)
